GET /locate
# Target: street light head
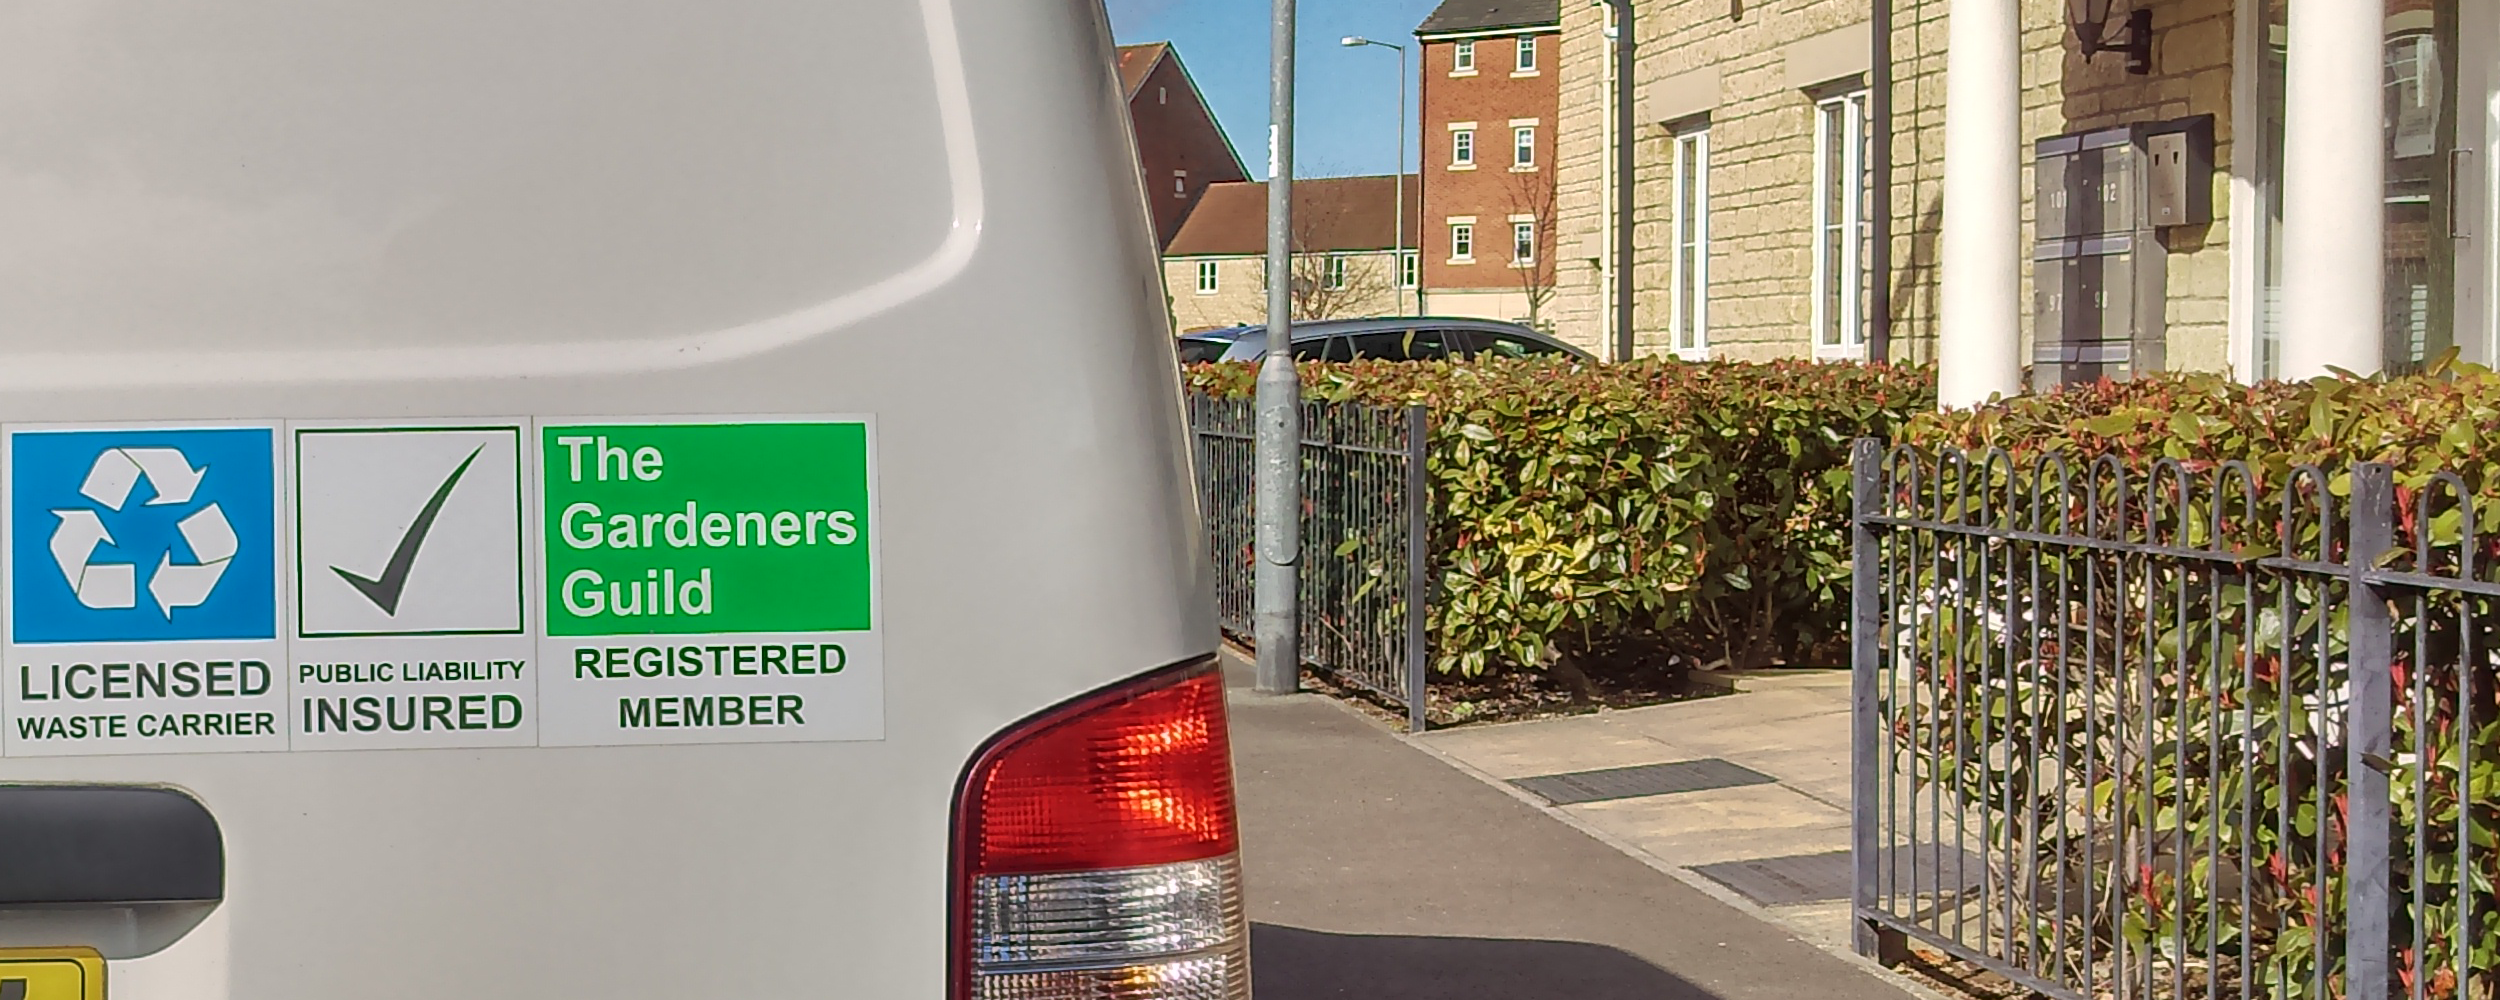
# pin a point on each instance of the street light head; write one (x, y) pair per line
(1351, 41)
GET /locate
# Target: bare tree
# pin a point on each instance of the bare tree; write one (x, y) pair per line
(1531, 193)
(1336, 285)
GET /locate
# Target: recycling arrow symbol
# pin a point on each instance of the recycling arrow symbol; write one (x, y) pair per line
(115, 585)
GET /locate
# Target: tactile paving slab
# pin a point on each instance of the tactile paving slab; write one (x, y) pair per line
(1574, 787)
(1817, 878)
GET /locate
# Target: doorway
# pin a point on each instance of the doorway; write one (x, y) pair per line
(2441, 132)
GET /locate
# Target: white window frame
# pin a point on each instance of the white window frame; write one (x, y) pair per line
(1523, 233)
(1210, 278)
(1688, 244)
(1463, 148)
(1462, 243)
(1410, 268)
(1180, 184)
(1332, 273)
(1523, 147)
(1525, 64)
(1840, 232)
(1463, 57)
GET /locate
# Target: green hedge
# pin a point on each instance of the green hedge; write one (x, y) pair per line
(2421, 426)
(1702, 506)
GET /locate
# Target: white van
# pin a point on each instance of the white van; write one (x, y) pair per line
(594, 498)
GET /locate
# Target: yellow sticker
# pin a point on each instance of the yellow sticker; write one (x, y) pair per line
(51, 974)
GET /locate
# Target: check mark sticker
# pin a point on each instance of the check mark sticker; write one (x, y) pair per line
(384, 592)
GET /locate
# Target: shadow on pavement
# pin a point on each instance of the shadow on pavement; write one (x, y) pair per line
(1290, 963)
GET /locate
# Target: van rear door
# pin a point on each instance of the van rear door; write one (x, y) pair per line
(546, 498)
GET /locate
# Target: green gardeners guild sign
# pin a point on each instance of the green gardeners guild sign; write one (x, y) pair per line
(709, 581)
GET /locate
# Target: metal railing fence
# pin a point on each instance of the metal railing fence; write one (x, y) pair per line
(1365, 529)
(2168, 732)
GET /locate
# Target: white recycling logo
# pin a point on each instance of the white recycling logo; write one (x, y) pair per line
(114, 585)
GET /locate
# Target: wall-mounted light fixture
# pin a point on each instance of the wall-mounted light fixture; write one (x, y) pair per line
(2090, 19)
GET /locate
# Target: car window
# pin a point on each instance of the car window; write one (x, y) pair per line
(1197, 351)
(1511, 345)
(1330, 349)
(1401, 345)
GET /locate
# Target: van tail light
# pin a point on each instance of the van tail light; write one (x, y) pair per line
(1096, 851)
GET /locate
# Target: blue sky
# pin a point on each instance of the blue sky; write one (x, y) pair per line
(1344, 97)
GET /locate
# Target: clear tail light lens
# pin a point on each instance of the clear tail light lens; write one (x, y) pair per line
(1096, 851)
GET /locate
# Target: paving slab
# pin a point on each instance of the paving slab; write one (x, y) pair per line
(1378, 870)
(1792, 725)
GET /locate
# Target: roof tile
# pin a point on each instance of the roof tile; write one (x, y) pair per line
(1490, 15)
(1330, 213)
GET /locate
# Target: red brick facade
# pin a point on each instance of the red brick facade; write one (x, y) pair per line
(1180, 148)
(1491, 101)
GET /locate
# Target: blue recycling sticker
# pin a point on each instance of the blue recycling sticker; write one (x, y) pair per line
(142, 535)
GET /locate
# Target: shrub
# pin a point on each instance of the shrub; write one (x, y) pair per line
(2231, 750)
(1576, 506)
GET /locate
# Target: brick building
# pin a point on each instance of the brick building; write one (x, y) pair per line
(1215, 270)
(1752, 184)
(1180, 148)
(1488, 114)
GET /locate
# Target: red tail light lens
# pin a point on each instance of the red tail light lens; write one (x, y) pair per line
(1095, 850)
(1121, 779)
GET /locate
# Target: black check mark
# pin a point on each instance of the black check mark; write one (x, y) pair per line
(384, 592)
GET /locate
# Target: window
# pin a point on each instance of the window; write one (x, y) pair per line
(1332, 273)
(1463, 241)
(1523, 242)
(1180, 184)
(1410, 268)
(1690, 256)
(1527, 54)
(1161, 97)
(1400, 345)
(1523, 146)
(1840, 224)
(1463, 147)
(1206, 277)
(1463, 57)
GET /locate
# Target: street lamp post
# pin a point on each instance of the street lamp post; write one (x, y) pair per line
(1276, 608)
(1397, 259)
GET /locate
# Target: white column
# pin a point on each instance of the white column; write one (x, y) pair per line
(1978, 342)
(2334, 188)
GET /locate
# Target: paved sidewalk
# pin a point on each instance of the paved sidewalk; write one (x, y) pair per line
(1792, 726)
(1375, 870)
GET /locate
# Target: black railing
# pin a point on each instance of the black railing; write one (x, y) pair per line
(2173, 732)
(1364, 532)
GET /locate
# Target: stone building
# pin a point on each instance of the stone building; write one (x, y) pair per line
(1487, 116)
(2038, 211)
(1345, 252)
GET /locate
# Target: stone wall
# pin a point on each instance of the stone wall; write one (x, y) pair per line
(1762, 139)
(1240, 295)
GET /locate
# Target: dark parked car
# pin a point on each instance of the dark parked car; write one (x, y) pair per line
(1413, 338)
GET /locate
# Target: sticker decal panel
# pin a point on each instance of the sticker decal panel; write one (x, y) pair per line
(332, 585)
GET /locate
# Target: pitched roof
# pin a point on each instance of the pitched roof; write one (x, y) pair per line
(1136, 61)
(1458, 16)
(1330, 213)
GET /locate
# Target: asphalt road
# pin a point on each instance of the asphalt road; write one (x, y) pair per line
(1376, 871)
